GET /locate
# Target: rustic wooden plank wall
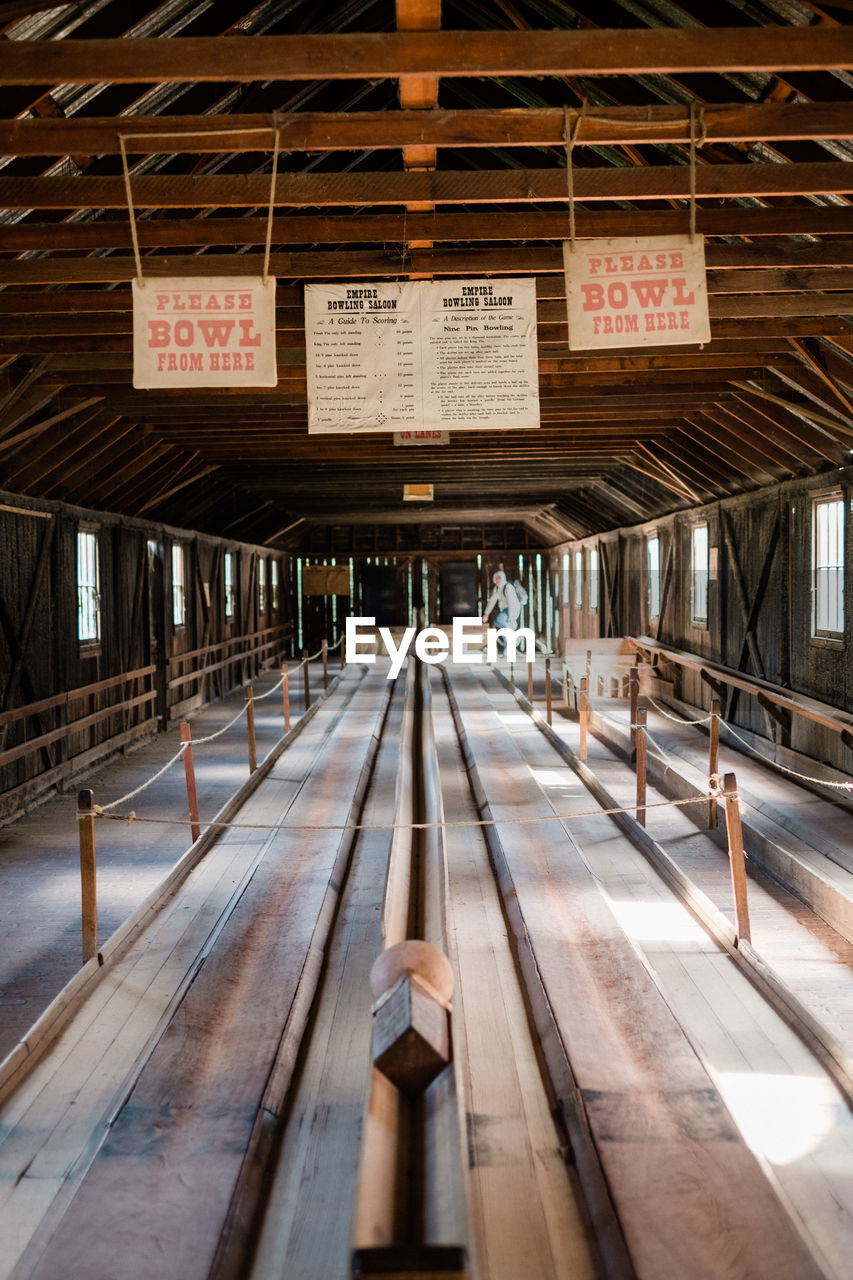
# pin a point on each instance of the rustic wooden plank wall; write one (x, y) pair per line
(41, 657)
(759, 604)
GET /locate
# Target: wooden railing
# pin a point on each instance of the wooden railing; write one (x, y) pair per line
(73, 721)
(774, 699)
(266, 646)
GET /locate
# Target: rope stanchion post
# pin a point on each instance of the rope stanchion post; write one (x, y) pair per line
(325, 650)
(285, 698)
(548, 690)
(306, 678)
(634, 702)
(583, 715)
(530, 682)
(341, 642)
(736, 856)
(512, 674)
(189, 771)
(641, 745)
(88, 880)
(713, 756)
(250, 726)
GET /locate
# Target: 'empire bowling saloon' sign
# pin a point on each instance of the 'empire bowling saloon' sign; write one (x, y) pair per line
(636, 292)
(205, 332)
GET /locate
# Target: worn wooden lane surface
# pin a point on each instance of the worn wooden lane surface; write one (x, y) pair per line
(157, 1192)
(55, 1114)
(305, 1233)
(524, 1206)
(788, 1110)
(690, 1196)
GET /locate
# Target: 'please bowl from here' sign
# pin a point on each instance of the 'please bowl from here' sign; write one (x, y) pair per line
(204, 332)
(636, 292)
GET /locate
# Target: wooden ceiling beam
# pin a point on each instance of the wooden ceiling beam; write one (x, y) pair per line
(589, 52)
(473, 228)
(475, 186)
(546, 264)
(315, 131)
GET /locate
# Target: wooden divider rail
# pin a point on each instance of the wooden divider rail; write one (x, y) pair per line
(235, 649)
(715, 675)
(62, 703)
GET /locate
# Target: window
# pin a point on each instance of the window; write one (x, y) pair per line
(578, 579)
(179, 600)
(228, 575)
(699, 575)
(653, 564)
(828, 567)
(274, 585)
(88, 589)
(593, 577)
(262, 585)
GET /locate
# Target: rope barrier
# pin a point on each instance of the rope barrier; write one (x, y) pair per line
(678, 719)
(100, 812)
(143, 787)
(794, 773)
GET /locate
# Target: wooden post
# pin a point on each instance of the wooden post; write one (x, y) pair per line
(583, 713)
(530, 682)
(88, 885)
(634, 702)
(343, 649)
(641, 765)
(189, 771)
(285, 698)
(736, 856)
(250, 726)
(714, 757)
(548, 690)
(306, 678)
(325, 665)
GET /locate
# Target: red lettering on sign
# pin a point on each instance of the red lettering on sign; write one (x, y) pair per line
(158, 333)
(216, 332)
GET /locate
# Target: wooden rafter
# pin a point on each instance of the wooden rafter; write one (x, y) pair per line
(458, 53)
(377, 130)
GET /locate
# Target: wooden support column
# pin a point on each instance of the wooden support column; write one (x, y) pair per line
(250, 726)
(736, 856)
(88, 883)
(641, 765)
(418, 92)
(548, 690)
(189, 771)
(583, 714)
(633, 696)
(285, 698)
(714, 755)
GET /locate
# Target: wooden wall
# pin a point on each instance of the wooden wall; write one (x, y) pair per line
(143, 670)
(759, 602)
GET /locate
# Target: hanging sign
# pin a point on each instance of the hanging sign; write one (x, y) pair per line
(420, 357)
(325, 580)
(204, 332)
(636, 292)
